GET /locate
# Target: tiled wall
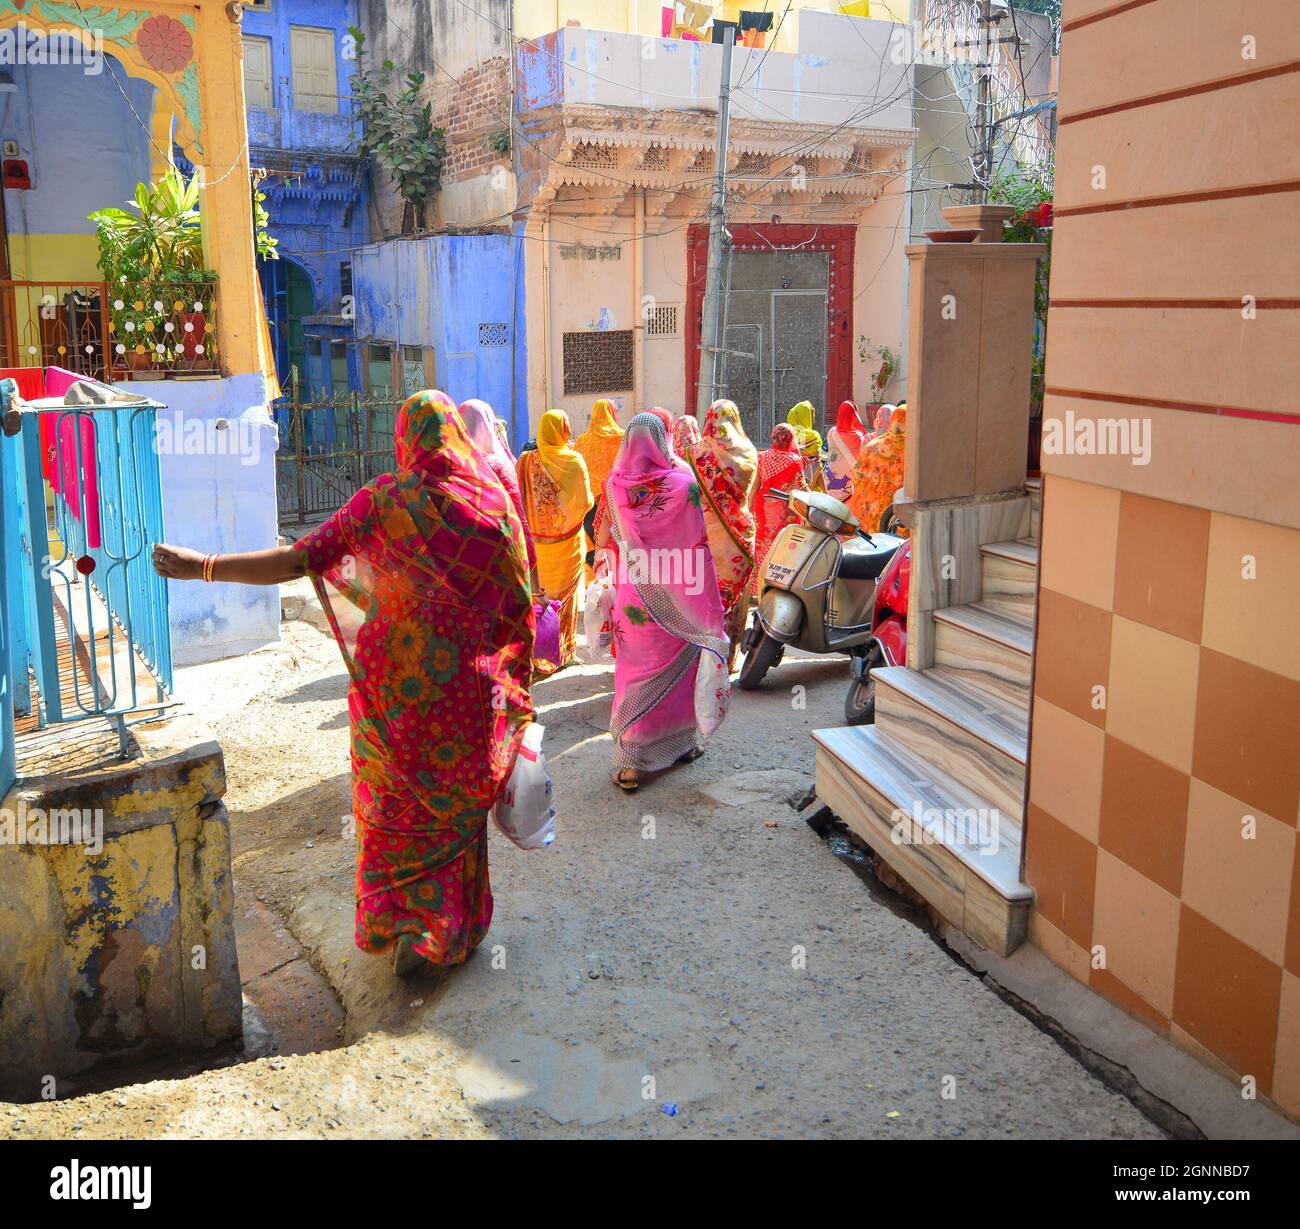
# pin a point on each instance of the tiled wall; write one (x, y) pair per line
(1165, 770)
(1164, 791)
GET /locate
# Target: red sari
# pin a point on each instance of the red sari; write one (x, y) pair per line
(424, 576)
(780, 468)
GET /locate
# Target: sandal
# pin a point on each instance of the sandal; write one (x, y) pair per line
(406, 961)
(693, 754)
(628, 784)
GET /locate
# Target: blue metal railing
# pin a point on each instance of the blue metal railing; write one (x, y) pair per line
(78, 573)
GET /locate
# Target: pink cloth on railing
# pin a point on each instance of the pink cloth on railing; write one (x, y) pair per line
(64, 477)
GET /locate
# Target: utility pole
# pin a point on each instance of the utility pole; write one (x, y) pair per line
(711, 316)
(984, 169)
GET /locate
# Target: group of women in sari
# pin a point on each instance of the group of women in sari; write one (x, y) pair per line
(431, 578)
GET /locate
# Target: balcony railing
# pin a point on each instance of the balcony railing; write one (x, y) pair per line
(86, 617)
(132, 330)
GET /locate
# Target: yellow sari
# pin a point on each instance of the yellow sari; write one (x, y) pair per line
(599, 444)
(557, 495)
(809, 441)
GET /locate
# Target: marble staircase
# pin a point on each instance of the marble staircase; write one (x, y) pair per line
(936, 786)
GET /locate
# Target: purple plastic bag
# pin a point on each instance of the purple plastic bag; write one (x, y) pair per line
(546, 646)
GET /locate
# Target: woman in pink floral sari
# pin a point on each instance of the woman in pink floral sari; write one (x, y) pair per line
(670, 680)
(424, 576)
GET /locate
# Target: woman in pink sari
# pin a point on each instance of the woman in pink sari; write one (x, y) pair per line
(481, 424)
(670, 680)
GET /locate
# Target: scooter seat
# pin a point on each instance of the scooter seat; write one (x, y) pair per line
(860, 560)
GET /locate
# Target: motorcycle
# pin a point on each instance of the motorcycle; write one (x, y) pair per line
(819, 585)
(887, 644)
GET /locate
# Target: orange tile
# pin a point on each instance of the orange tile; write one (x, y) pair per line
(1136, 923)
(1065, 768)
(1061, 868)
(1080, 529)
(1057, 948)
(1071, 654)
(1144, 813)
(1227, 997)
(1241, 885)
(1160, 564)
(1292, 957)
(1252, 593)
(1248, 734)
(1107, 984)
(1152, 700)
(1286, 1061)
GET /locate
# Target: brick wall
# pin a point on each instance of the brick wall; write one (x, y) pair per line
(472, 110)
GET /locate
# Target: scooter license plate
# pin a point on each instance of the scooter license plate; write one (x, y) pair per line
(778, 573)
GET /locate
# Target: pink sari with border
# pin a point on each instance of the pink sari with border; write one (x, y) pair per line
(670, 683)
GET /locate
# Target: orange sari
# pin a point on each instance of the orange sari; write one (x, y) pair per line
(878, 473)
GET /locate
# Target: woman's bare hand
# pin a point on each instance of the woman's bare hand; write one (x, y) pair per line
(177, 562)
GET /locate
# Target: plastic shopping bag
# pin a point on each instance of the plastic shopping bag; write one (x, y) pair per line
(598, 611)
(546, 643)
(712, 692)
(525, 812)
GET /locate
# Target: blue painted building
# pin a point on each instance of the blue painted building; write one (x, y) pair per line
(446, 311)
(298, 63)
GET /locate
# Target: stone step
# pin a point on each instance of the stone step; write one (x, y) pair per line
(953, 847)
(1035, 488)
(990, 648)
(1010, 576)
(972, 736)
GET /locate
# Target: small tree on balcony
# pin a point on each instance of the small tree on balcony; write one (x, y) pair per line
(398, 132)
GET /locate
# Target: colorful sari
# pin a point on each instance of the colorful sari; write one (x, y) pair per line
(780, 468)
(481, 424)
(557, 495)
(879, 473)
(686, 434)
(725, 465)
(667, 612)
(844, 441)
(809, 442)
(423, 576)
(599, 445)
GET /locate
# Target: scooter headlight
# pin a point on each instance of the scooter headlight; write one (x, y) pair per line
(825, 521)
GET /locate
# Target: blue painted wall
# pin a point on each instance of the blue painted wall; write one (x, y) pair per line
(218, 499)
(436, 292)
(85, 150)
(317, 196)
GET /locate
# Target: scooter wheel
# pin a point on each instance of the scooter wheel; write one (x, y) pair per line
(758, 661)
(860, 702)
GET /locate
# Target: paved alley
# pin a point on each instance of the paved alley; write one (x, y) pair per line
(689, 961)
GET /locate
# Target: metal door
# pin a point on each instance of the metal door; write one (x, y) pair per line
(798, 350)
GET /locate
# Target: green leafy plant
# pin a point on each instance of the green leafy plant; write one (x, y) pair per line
(397, 130)
(885, 363)
(499, 141)
(264, 244)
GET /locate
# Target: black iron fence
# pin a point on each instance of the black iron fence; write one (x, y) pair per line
(331, 445)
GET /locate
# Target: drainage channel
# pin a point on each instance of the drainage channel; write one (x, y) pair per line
(888, 890)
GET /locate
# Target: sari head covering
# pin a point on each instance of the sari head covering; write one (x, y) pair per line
(481, 425)
(668, 616)
(879, 472)
(423, 576)
(664, 417)
(725, 464)
(599, 443)
(807, 437)
(844, 441)
(780, 468)
(883, 416)
(686, 434)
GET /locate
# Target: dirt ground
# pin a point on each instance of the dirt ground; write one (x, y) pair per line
(689, 961)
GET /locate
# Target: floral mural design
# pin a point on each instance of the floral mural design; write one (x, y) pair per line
(165, 44)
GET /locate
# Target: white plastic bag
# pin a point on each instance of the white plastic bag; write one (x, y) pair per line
(712, 692)
(525, 812)
(598, 610)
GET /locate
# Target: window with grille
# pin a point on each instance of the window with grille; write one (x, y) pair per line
(493, 334)
(589, 155)
(598, 362)
(662, 321)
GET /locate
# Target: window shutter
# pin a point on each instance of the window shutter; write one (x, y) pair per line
(257, 72)
(315, 86)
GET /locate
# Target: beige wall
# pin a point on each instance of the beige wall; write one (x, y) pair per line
(1165, 748)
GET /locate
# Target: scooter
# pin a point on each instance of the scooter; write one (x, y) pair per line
(887, 644)
(819, 585)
